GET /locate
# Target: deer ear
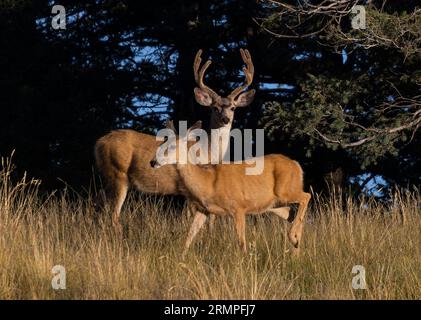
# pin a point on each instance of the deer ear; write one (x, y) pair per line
(245, 98)
(197, 125)
(202, 97)
(170, 125)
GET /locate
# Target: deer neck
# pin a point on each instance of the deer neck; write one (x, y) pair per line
(197, 180)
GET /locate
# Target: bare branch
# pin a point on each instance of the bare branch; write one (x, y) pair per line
(382, 30)
(413, 121)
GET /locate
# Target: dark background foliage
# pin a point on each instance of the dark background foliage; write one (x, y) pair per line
(128, 64)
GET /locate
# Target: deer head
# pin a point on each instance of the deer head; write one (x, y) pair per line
(223, 107)
(172, 148)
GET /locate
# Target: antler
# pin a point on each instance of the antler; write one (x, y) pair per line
(248, 71)
(198, 74)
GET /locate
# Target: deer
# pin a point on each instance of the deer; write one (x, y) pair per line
(224, 189)
(223, 108)
(123, 156)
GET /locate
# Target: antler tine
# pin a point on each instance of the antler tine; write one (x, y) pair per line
(248, 72)
(200, 72)
(196, 65)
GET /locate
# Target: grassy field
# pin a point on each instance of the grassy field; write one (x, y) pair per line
(145, 262)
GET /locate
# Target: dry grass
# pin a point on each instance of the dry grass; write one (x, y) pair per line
(38, 233)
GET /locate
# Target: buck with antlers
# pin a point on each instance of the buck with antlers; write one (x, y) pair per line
(223, 108)
(123, 156)
(225, 189)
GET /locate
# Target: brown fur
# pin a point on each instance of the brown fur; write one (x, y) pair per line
(122, 157)
(221, 188)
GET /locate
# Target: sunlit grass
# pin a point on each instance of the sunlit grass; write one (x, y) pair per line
(145, 262)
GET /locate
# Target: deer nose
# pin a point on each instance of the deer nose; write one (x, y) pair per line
(225, 120)
(153, 163)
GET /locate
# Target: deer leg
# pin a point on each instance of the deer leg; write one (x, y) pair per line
(119, 190)
(240, 226)
(198, 221)
(282, 212)
(191, 209)
(296, 230)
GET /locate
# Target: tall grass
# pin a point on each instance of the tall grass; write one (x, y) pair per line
(145, 262)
